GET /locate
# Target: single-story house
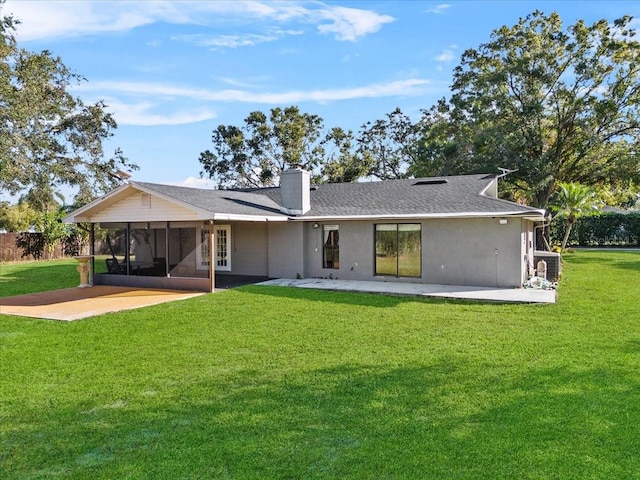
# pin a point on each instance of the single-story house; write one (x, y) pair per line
(442, 230)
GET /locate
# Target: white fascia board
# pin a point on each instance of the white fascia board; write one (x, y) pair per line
(247, 218)
(537, 214)
(72, 217)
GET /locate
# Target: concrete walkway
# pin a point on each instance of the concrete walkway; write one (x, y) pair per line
(513, 295)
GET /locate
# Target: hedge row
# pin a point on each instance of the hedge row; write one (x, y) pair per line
(605, 229)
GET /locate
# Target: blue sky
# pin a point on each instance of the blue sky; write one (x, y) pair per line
(172, 71)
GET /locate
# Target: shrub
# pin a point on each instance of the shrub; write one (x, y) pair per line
(31, 244)
(601, 228)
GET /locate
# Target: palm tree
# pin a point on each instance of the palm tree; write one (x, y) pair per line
(572, 198)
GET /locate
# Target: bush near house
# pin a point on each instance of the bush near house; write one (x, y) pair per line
(599, 229)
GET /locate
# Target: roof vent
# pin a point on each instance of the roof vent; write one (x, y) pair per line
(313, 188)
(430, 182)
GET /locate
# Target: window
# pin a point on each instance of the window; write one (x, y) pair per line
(330, 246)
(398, 249)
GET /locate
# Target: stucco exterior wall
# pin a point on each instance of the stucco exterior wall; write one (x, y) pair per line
(286, 249)
(467, 251)
(356, 251)
(249, 248)
(473, 252)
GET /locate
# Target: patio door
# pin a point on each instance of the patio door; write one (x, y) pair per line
(222, 248)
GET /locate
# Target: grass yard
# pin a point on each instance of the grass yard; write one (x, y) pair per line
(279, 383)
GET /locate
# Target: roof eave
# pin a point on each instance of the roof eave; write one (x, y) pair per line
(79, 215)
(534, 215)
(217, 217)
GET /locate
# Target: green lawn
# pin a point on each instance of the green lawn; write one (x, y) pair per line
(279, 383)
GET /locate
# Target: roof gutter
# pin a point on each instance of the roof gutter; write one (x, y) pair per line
(535, 215)
(248, 218)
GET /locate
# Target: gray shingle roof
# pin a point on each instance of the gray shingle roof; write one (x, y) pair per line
(453, 195)
(233, 202)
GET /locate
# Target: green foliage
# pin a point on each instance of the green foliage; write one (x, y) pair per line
(255, 154)
(52, 228)
(295, 383)
(18, 217)
(572, 199)
(599, 229)
(343, 163)
(51, 233)
(390, 145)
(555, 104)
(50, 138)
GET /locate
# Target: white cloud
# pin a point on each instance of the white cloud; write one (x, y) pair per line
(142, 114)
(238, 83)
(351, 24)
(42, 20)
(446, 56)
(226, 41)
(151, 104)
(441, 8)
(194, 182)
(65, 18)
(235, 41)
(407, 87)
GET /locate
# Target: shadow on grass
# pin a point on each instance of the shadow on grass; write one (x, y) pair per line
(633, 265)
(626, 260)
(446, 420)
(349, 298)
(32, 277)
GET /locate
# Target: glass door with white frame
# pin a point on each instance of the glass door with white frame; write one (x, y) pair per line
(222, 248)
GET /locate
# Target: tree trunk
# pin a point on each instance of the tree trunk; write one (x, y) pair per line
(566, 236)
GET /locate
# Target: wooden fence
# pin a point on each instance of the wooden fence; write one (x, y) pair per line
(10, 253)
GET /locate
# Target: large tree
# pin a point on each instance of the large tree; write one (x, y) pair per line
(48, 137)
(343, 161)
(255, 154)
(390, 145)
(555, 104)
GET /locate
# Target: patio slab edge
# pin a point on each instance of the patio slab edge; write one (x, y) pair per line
(461, 292)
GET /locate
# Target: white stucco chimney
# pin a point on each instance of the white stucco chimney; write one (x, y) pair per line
(295, 197)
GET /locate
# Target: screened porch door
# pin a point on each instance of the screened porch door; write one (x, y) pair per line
(222, 248)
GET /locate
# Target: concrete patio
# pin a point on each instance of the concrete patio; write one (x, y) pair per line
(509, 295)
(76, 303)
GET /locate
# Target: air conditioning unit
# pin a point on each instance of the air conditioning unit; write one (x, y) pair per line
(554, 264)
